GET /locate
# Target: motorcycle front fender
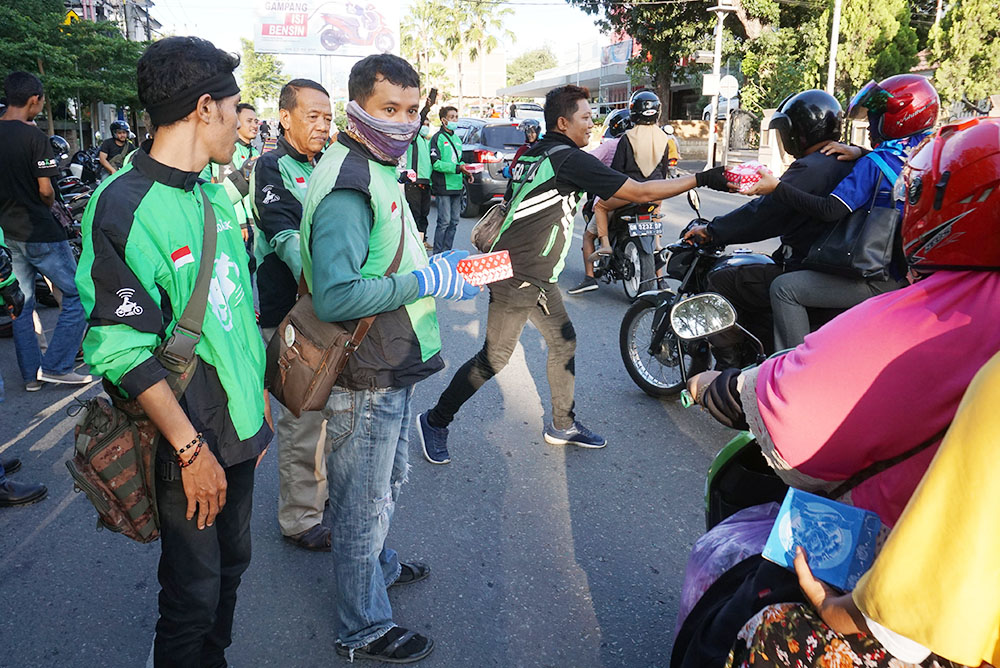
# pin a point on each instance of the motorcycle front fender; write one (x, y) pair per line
(662, 301)
(657, 297)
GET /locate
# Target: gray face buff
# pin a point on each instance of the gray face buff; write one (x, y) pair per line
(387, 140)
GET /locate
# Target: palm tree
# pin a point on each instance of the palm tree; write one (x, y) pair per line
(484, 21)
(423, 33)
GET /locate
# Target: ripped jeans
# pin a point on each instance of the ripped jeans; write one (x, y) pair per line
(368, 432)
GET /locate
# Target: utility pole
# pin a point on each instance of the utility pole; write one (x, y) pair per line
(831, 73)
(721, 10)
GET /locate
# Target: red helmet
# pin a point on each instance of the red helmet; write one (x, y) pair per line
(904, 105)
(951, 186)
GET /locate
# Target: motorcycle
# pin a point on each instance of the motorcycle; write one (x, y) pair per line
(657, 360)
(84, 166)
(739, 476)
(632, 231)
(339, 30)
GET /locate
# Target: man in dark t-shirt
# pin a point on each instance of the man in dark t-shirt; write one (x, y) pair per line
(37, 242)
(115, 148)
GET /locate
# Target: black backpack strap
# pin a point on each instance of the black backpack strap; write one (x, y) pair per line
(177, 352)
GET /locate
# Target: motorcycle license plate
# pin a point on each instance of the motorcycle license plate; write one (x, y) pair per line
(645, 226)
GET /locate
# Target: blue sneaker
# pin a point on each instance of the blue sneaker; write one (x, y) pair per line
(576, 435)
(433, 440)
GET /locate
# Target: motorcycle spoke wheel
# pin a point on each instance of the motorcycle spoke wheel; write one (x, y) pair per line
(657, 375)
(633, 283)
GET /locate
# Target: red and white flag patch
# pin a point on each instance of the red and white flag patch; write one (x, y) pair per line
(301, 180)
(181, 257)
(393, 208)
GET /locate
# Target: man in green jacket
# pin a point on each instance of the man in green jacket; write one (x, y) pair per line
(446, 179)
(418, 191)
(355, 226)
(278, 182)
(143, 235)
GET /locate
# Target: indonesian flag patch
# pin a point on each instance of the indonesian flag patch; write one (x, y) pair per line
(393, 208)
(181, 257)
(301, 180)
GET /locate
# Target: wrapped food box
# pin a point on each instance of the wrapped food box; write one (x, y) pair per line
(745, 175)
(486, 268)
(474, 167)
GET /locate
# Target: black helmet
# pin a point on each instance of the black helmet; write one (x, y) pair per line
(644, 108)
(60, 147)
(119, 125)
(530, 124)
(619, 121)
(806, 119)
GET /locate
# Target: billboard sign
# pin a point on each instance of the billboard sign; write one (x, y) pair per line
(327, 28)
(616, 53)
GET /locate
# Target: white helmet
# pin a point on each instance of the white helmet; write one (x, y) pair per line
(668, 128)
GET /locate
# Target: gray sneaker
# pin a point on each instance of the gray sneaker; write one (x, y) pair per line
(71, 378)
(33, 386)
(589, 283)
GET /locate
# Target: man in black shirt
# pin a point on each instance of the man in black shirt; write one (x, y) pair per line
(536, 232)
(37, 242)
(115, 148)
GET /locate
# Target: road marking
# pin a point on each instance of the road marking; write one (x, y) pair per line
(45, 415)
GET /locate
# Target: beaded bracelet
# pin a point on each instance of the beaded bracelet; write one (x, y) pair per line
(197, 451)
(190, 445)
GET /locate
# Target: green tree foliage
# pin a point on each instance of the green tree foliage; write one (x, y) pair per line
(485, 23)
(967, 46)
(92, 61)
(524, 67)
(876, 41)
(666, 32)
(422, 34)
(261, 74)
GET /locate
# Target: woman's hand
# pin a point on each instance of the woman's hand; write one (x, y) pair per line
(844, 152)
(840, 613)
(765, 186)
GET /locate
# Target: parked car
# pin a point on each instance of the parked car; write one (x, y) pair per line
(493, 143)
(724, 104)
(523, 110)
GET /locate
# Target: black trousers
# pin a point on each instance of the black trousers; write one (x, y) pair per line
(748, 289)
(200, 571)
(510, 309)
(418, 196)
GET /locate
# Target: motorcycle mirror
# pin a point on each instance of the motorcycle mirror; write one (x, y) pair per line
(701, 316)
(694, 201)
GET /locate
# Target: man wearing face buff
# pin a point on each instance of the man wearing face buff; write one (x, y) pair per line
(278, 183)
(362, 256)
(143, 236)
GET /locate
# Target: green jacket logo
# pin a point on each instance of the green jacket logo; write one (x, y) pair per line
(226, 291)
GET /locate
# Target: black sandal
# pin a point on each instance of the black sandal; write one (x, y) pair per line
(316, 539)
(398, 645)
(411, 572)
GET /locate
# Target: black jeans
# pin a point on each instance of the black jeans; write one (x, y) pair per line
(418, 196)
(748, 289)
(200, 570)
(510, 308)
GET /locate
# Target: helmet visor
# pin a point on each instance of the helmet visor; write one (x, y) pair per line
(872, 98)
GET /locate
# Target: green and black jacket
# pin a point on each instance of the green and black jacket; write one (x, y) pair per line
(278, 184)
(142, 240)
(446, 158)
(355, 214)
(418, 158)
(539, 224)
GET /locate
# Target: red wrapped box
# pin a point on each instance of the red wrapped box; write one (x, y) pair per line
(486, 268)
(746, 175)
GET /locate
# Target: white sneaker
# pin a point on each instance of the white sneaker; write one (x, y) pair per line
(71, 378)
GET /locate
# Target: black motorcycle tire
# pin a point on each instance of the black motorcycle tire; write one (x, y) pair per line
(634, 255)
(632, 346)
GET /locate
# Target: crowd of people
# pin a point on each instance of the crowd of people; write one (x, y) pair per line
(343, 217)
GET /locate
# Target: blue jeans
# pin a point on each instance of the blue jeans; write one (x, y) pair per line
(54, 261)
(449, 208)
(367, 465)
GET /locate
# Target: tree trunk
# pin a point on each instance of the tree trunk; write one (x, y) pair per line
(482, 70)
(662, 80)
(48, 102)
(461, 57)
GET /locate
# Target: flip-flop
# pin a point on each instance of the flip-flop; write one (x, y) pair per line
(390, 648)
(411, 572)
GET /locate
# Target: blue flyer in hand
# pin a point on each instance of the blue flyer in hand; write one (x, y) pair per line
(839, 540)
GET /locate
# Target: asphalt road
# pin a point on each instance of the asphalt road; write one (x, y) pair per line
(541, 556)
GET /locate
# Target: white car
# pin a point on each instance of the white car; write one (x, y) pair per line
(724, 104)
(523, 110)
